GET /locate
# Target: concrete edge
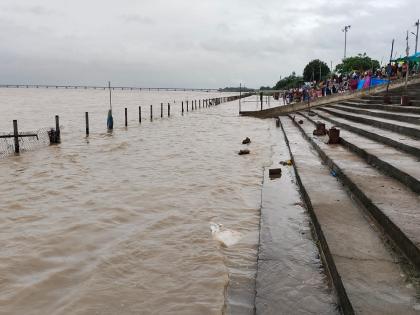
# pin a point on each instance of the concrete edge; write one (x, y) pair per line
(344, 301)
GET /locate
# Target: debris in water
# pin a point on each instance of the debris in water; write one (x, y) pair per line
(242, 152)
(320, 129)
(274, 173)
(334, 136)
(246, 141)
(288, 163)
(225, 237)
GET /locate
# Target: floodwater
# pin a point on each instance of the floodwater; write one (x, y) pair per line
(119, 223)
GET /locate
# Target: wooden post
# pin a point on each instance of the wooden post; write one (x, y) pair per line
(187, 106)
(195, 104)
(87, 123)
(140, 114)
(161, 110)
(199, 103)
(125, 113)
(16, 136)
(57, 128)
(151, 112)
(182, 105)
(169, 110)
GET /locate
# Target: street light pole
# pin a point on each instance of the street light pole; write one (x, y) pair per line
(417, 33)
(345, 30)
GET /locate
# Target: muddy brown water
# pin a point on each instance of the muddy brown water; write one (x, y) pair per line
(119, 223)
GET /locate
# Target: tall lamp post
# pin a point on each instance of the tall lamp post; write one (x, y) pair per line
(345, 30)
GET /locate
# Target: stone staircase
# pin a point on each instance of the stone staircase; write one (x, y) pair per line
(363, 198)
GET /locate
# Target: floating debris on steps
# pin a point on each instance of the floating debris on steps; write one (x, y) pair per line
(246, 141)
(243, 152)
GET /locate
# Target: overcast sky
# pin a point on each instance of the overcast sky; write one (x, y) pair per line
(190, 43)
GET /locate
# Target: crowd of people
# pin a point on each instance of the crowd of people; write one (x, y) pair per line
(343, 83)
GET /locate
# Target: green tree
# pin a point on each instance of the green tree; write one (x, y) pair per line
(292, 81)
(316, 70)
(358, 63)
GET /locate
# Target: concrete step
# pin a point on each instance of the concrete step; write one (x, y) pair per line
(394, 139)
(365, 273)
(402, 166)
(406, 117)
(403, 128)
(389, 202)
(388, 108)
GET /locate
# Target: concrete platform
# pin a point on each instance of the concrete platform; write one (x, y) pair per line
(366, 275)
(290, 277)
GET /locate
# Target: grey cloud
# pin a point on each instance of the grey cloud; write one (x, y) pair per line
(206, 43)
(135, 18)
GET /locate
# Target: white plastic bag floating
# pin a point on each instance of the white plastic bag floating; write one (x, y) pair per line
(225, 237)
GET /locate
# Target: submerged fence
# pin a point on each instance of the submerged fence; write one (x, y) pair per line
(16, 142)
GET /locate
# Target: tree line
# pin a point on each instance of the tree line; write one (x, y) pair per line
(318, 70)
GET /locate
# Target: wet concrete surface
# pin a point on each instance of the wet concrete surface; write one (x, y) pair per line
(394, 199)
(408, 117)
(371, 274)
(394, 125)
(290, 278)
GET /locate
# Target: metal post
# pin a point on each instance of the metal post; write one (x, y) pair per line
(417, 33)
(125, 113)
(182, 105)
(139, 114)
(240, 96)
(151, 112)
(16, 136)
(169, 110)
(345, 30)
(57, 128)
(161, 110)
(387, 69)
(110, 97)
(187, 106)
(87, 123)
(407, 51)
